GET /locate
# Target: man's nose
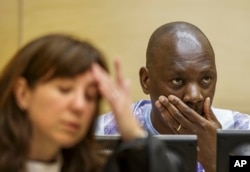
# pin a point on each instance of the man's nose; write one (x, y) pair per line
(193, 93)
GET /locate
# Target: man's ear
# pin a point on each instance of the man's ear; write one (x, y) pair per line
(21, 92)
(144, 79)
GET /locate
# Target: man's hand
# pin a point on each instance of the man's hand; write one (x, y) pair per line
(184, 120)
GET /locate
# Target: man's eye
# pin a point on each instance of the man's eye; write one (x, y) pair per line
(206, 80)
(177, 81)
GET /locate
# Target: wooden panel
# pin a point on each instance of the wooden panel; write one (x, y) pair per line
(8, 30)
(122, 28)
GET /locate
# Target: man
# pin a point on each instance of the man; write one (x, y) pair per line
(180, 77)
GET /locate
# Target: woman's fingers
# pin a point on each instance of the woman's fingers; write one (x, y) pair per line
(116, 92)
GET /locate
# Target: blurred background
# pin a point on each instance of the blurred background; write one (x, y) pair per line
(121, 29)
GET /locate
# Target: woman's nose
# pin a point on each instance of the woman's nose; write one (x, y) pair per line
(78, 102)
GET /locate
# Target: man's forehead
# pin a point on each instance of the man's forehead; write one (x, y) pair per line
(170, 55)
(182, 63)
(185, 48)
(187, 42)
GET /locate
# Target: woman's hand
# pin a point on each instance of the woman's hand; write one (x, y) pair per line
(117, 94)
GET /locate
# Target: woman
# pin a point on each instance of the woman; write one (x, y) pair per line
(50, 95)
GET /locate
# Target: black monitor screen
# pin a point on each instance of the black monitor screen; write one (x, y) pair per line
(233, 150)
(182, 149)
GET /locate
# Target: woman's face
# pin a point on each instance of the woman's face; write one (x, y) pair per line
(61, 110)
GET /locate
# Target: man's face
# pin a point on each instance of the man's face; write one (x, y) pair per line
(186, 72)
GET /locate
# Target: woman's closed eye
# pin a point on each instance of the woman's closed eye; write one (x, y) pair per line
(91, 93)
(64, 89)
(91, 97)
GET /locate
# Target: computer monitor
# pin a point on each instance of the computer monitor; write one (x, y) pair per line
(233, 150)
(182, 149)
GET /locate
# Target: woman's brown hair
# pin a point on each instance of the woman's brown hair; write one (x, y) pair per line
(59, 56)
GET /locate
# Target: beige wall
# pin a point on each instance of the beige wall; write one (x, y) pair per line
(8, 29)
(122, 29)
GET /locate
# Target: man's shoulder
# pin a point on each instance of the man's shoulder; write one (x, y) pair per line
(220, 111)
(138, 105)
(141, 104)
(106, 123)
(232, 119)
